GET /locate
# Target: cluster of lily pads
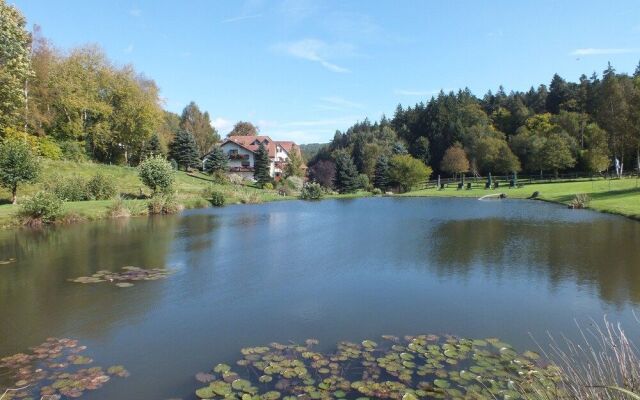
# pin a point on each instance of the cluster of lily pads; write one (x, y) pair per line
(54, 369)
(426, 366)
(123, 279)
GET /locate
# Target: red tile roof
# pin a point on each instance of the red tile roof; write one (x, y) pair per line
(252, 143)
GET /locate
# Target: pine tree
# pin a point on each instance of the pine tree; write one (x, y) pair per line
(184, 150)
(381, 176)
(216, 160)
(152, 147)
(636, 73)
(262, 166)
(346, 180)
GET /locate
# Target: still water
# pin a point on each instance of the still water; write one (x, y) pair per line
(332, 270)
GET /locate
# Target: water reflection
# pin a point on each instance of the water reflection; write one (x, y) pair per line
(333, 270)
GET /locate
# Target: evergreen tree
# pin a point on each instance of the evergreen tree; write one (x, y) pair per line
(558, 94)
(152, 147)
(216, 161)
(381, 176)
(184, 150)
(346, 180)
(636, 73)
(262, 166)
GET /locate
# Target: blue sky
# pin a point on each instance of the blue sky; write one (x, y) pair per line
(302, 69)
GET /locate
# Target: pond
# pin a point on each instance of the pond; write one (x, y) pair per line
(333, 270)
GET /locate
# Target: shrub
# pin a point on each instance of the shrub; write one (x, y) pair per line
(163, 204)
(18, 164)
(311, 191)
(67, 188)
(581, 200)
(43, 207)
(217, 199)
(376, 191)
(73, 151)
(236, 179)
(49, 149)
(268, 186)
(157, 173)
(118, 209)
(363, 181)
(100, 187)
(294, 182)
(219, 177)
(249, 197)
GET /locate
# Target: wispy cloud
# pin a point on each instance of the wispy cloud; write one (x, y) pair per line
(222, 125)
(135, 12)
(317, 51)
(321, 122)
(590, 51)
(414, 92)
(240, 18)
(129, 49)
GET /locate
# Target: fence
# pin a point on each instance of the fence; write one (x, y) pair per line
(505, 180)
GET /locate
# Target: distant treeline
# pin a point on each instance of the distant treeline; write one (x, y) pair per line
(567, 126)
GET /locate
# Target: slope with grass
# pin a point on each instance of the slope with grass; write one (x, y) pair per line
(616, 196)
(189, 188)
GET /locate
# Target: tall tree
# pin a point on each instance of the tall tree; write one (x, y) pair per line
(184, 150)
(15, 66)
(199, 124)
(294, 164)
(346, 180)
(262, 166)
(381, 177)
(323, 172)
(455, 160)
(407, 172)
(243, 128)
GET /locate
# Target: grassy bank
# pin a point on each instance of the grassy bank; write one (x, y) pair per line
(617, 196)
(189, 191)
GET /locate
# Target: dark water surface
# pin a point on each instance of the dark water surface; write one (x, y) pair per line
(333, 270)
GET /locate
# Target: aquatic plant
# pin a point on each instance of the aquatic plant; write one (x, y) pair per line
(123, 279)
(52, 370)
(425, 366)
(580, 200)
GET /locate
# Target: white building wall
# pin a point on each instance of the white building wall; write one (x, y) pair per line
(227, 147)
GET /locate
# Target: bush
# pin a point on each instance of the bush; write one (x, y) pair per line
(376, 191)
(217, 199)
(100, 187)
(236, 179)
(163, 204)
(118, 209)
(268, 186)
(311, 191)
(294, 182)
(219, 177)
(363, 181)
(49, 149)
(581, 200)
(73, 151)
(43, 207)
(157, 173)
(68, 188)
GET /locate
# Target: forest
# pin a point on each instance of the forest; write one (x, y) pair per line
(579, 126)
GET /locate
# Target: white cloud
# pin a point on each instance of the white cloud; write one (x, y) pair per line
(414, 92)
(222, 125)
(599, 51)
(135, 12)
(317, 51)
(129, 49)
(240, 18)
(321, 122)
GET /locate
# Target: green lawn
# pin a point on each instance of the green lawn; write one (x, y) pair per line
(618, 196)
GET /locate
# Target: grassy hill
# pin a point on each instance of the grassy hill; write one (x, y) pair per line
(189, 190)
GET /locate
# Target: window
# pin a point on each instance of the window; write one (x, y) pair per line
(246, 164)
(233, 152)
